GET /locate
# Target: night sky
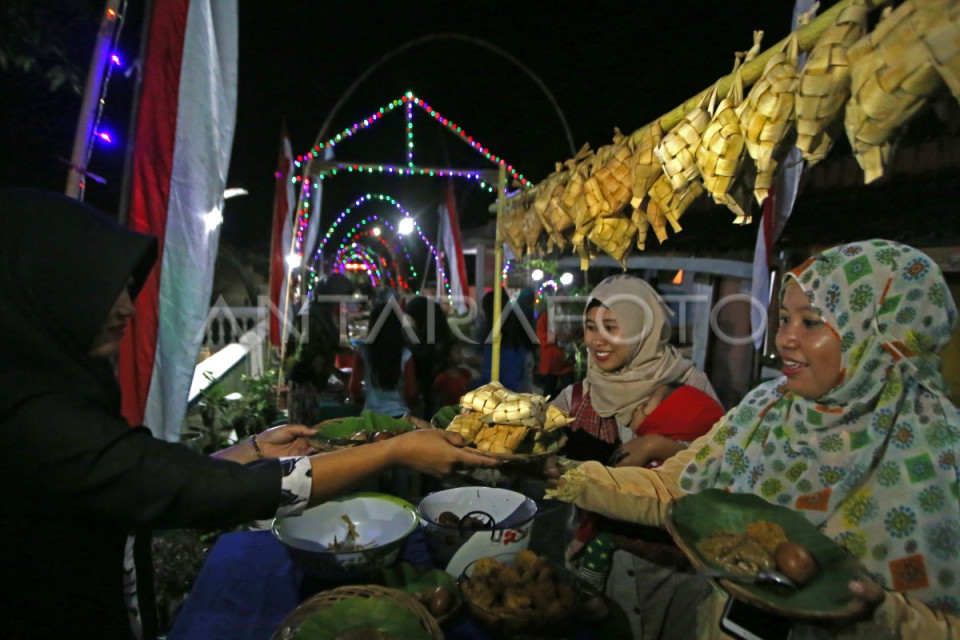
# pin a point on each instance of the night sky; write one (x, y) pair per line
(606, 64)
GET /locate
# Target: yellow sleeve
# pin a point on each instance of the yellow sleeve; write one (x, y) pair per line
(631, 494)
(907, 617)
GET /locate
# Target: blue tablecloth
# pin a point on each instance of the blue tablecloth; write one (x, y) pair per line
(249, 584)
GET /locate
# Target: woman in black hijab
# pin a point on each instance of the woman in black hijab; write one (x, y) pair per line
(76, 478)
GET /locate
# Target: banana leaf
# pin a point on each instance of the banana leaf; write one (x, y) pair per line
(697, 516)
(371, 615)
(442, 418)
(367, 422)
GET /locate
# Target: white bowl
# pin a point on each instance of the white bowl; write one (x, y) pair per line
(453, 548)
(383, 523)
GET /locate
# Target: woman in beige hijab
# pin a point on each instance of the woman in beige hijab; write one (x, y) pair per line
(631, 366)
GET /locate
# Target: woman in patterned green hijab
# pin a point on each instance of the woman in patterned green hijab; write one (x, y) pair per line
(858, 436)
(873, 462)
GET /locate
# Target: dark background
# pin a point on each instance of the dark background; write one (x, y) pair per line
(607, 64)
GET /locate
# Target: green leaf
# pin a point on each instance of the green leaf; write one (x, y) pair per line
(356, 614)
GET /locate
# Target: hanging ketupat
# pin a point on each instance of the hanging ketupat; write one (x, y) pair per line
(614, 175)
(940, 33)
(891, 77)
(667, 205)
(677, 151)
(557, 216)
(613, 235)
(767, 115)
(645, 167)
(824, 85)
(541, 206)
(721, 148)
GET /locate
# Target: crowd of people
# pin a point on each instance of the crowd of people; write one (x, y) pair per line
(857, 436)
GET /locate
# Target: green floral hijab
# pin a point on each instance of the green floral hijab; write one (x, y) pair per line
(874, 462)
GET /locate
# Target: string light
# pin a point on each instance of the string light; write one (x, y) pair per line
(408, 101)
(410, 135)
(355, 234)
(373, 197)
(116, 24)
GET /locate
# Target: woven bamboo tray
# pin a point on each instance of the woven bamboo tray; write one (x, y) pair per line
(326, 599)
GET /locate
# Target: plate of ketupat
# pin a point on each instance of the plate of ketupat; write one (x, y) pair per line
(744, 533)
(506, 424)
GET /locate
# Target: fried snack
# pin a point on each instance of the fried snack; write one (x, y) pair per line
(769, 534)
(529, 589)
(527, 563)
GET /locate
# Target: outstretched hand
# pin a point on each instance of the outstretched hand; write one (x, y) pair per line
(643, 449)
(418, 423)
(286, 441)
(436, 452)
(867, 596)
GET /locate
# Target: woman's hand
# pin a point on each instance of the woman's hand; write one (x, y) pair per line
(418, 423)
(436, 452)
(643, 449)
(867, 596)
(286, 441)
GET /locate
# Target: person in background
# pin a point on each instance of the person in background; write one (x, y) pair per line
(454, 381)
(384, 378)
(630, 362)
(78, 480)
(517, 342)
(430, 351)
(556, 371)
(313, 360)
(857, 436)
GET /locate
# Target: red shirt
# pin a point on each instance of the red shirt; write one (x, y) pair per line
(552, 359)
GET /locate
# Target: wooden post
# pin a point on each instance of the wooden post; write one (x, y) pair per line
(497, 267)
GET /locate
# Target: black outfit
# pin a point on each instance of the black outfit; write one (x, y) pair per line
(76, 478)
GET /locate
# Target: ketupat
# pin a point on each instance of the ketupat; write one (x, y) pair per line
(824, 85)
(500, 438)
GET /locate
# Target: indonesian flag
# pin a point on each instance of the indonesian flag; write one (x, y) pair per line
(450, 239)
(284, 200)
(184, 133)
(776, 211)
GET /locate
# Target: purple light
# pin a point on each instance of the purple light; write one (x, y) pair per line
(115, 59)
(104, 135)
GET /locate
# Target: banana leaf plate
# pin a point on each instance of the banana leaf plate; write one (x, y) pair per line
(826, 598)
(364, 611)
(350, 431)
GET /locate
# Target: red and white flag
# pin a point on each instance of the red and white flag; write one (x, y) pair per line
(776, 211)
(450, 241)
(184, 134)
(284, 200)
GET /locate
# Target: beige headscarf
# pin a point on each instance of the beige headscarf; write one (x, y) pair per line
(641, 313)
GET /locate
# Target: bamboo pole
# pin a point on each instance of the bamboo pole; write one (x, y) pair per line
(83, 137)
(807, 37)
(497, 266)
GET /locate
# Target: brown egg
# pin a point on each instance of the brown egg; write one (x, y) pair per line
(795, 562)
(383, 435)
(470, 523)
(437, 599)
(448, 519)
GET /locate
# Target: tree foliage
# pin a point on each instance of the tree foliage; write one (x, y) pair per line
(36, 39)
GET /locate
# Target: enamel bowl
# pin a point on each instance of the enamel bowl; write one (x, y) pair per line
(383, 523)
